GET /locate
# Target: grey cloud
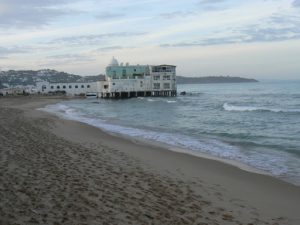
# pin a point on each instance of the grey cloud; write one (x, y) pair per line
(296, 3)
(204, 5)
(112, 48)
(109, 15)
(176, 14)
(9, 51)
(109, 48)
(211, 5)
(65, 59)
(72, 57)
(289, 29)
(211, 1)
(93, 39)
(31, 13)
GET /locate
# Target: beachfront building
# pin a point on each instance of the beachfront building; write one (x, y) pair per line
(122, 81)
(18, 90)
(71, 89)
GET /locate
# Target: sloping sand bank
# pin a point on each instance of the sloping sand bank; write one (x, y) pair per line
(54, 171)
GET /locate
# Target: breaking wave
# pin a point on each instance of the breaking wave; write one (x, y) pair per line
(229, 107)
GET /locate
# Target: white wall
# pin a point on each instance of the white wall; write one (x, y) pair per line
(69, 88)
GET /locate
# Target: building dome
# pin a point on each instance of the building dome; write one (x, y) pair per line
(113, 62)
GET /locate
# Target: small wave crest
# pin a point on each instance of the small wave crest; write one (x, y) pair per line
(229, 107)
(170, 101)
(207, 145)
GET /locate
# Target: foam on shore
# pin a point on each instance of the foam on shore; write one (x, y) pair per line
(208, 148)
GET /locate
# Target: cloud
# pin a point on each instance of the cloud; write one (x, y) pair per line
(109, 15)
(93, 39)
(65, 59)
(275, 28)
(176, 14)
(9, 51)
(296, 3)
(32, 13)
(211, 5)
(73, 57)
(109, 48)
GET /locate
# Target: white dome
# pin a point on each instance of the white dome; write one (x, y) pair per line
(113, 62)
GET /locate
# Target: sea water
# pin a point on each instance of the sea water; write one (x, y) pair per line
(257, 124)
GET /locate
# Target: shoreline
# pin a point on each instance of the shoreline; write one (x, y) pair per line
(123, 181)
(168, 147)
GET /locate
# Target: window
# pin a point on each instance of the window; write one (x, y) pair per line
(82, 86)
(166, 77)
(76, 86)
(113, 83)
(156, 86)
(64, 87)
(88, 86)
(70, 86)
(156, 78)
(105, 86)
(141, 83)
(52, 87)
(166, 85)
(58, 87)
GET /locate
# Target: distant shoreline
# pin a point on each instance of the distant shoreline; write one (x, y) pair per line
(213, 79)
(30, 77)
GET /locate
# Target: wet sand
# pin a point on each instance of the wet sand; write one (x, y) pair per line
(55, 171)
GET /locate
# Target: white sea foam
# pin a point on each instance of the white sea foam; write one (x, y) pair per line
(229, 107)
(212, 147)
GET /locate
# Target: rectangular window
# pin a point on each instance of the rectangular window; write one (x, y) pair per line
(88, 86)
(64, 87)
(76, 86)
(52, 87)
(166, 85)
(166, 77)
(156, 86)
(70, 86)
(82, 86)
(156, 78)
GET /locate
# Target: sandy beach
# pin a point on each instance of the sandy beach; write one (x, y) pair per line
(56, 171)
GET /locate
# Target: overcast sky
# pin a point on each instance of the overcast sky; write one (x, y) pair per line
(257, 38)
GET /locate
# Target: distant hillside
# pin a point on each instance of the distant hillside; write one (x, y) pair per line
(30, 77)
(212, 79)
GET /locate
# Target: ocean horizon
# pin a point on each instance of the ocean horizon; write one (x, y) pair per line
(256, 124)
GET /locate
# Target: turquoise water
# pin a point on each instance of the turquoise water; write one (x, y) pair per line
(257, 124)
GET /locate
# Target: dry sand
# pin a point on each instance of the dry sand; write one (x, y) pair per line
(54, 171)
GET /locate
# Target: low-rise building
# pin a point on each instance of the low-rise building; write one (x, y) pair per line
(84, 88)
(121, 81)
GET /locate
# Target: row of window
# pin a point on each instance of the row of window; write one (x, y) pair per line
(70, 86)
(157, 86)
(165, 77)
